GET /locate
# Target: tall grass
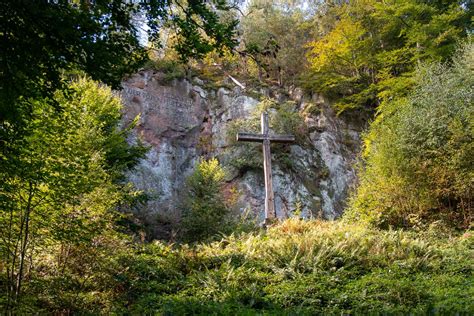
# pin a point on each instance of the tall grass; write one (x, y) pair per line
(305, 267)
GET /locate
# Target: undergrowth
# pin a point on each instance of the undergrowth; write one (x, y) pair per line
(303, 267)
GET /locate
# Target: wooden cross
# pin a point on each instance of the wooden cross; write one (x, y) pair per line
(265, 138)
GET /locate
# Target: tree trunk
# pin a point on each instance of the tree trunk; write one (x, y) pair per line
(24, 243)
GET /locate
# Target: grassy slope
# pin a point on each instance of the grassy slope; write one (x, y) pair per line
(305, 268)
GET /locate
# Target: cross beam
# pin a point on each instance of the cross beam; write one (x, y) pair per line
(249, 137)
(265, 138)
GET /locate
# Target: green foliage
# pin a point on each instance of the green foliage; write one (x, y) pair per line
(287, 120)
(296, 267)
(199, 18)
(171, 69)
(418, 155)
(304, 267)
(274, 38)
(60, 187)
(42, 39)
(62, 156)
(205, 213)
(215, 67)
(62, 161)
(369, 50)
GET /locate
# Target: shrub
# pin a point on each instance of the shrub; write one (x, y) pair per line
(418, 160)
(205, 212)
(171, 69)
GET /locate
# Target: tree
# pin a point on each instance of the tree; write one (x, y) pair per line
(274, 36)
(61, 154)
(205, 212)
(59, 190)
(42, 39)
(418, 165)
(371, 49)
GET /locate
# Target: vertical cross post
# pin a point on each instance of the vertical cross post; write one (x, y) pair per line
(267, 170)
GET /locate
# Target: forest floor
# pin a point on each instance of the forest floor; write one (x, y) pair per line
(305, 267)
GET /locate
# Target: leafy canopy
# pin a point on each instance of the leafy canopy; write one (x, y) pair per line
(42, 39)
(370, 50)
(274, 36)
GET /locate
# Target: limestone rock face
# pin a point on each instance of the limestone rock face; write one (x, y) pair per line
(182, 121)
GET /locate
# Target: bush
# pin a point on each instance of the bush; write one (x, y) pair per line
(171, 69)
(418, 160)
(205, 212)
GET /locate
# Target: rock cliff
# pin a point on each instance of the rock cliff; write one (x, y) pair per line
(182, 121)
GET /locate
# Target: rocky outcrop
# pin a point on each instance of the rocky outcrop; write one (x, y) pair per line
(182, 121)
